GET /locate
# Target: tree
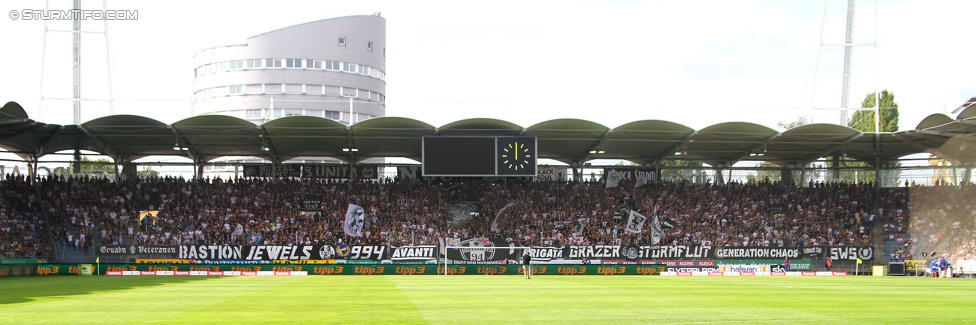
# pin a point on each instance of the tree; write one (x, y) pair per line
(767, 172)
(148, 172)
(863, 120)
(94, 167)
(783, 126)
(683, 170)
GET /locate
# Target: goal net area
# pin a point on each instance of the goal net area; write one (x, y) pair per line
(481, 255)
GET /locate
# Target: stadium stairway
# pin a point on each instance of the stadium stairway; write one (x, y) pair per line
(69, 255)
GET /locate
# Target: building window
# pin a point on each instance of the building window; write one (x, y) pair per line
(272, 88)
(349, 67)
(254, 63)
(254, 113)
(342, 40)
(221, 66)
(369, 46)
(293, 63)
(333, 115)
(293, 88)
(272, 63)
(332, 65)
(313, 89)
(350, 92)
(235, 89)
(236, 64)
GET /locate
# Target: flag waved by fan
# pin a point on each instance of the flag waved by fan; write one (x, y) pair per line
(355, 220)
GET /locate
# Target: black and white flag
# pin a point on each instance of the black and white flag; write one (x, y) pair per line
(613, 178)
(500, 215)
(460, 214)
(656, 231)
(635, 222)
(668, 223)
(643, 177)
(621, 211)
(355, 219)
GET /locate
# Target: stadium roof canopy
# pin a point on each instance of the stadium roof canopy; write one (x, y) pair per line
(126, 138)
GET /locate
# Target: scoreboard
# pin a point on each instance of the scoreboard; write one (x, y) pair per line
(479, 156)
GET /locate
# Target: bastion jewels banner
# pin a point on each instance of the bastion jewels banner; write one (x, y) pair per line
(282, 252)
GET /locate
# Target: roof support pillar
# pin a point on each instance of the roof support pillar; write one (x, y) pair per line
(786, 175)
(719, 177)
(76, 163)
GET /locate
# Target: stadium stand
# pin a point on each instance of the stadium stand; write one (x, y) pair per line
(87, 212)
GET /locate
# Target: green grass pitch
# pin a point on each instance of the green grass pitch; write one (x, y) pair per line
(506, 299)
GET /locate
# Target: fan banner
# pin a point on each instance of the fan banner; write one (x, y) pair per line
(551, 174)
(851, 253)
(269, 170)
(340, 171)
(477, 249)
(414, 253)
(355, 219)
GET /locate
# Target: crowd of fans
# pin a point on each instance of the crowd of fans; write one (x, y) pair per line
(21, 224)
(83, 212)
(943, 221)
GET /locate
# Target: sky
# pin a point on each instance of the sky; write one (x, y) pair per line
(694, 62)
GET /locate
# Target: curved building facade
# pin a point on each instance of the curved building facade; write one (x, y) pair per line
(333, 68)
